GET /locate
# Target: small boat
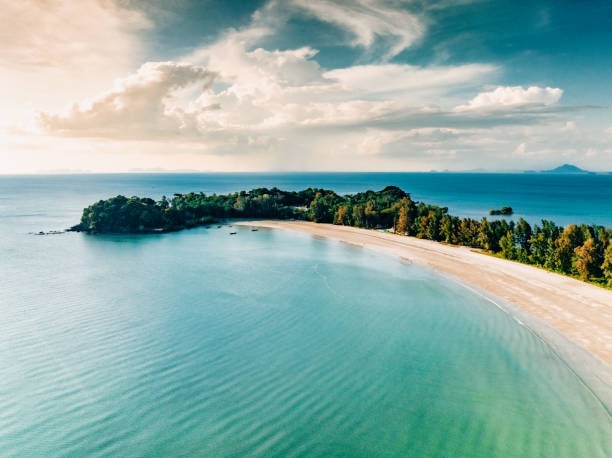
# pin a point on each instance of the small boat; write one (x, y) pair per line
(254, 229)
(233, 233)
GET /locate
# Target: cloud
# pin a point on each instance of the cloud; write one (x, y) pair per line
(260, 92)
(512, 97)
(234, 104)
(367, 21)
(608, 130)
(64, 32)
(521, 149)
(54, 51)
(253, 95)
(138, 106)
(414, 83)
(569, 126)
(274, 89)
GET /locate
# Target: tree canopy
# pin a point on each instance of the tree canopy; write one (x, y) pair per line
(578, 250)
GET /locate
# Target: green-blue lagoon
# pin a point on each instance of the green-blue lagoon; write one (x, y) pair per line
(202, 343)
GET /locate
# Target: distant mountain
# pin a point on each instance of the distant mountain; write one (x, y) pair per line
(566, 168)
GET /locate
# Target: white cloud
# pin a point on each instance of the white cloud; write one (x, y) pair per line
(138, 106)
(259, 91)
(59, 50)
(521, 149)
(255, 92)
(61, 32)
(278, 109)
(511, 97)
(234, 105)
(569, 126)
(411, 82)
(274, 89)
(368, 20)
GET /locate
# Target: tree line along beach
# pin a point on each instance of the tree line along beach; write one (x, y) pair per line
(579, 250)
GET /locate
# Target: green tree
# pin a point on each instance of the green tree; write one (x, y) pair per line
(522, 236)
(542, 244)
(484, 235)
(429, 226)
(319, 210)
(358, 216)
(468, 232)
(507, 246)
(371, 214)
(241, 203)
(449, 230)
(606, 266)
(563, 257)
(342, 215)
(587, 261)
(401, 225)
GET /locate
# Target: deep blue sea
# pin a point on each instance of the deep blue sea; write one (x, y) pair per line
(273, 343)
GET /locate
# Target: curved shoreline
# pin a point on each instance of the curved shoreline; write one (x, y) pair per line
(573, 317)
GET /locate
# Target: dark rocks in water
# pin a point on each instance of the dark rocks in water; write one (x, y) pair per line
(50, 232)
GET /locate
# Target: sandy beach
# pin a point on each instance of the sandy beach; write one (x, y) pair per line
(573, 317)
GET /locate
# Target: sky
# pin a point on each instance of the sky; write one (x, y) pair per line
(304, 85)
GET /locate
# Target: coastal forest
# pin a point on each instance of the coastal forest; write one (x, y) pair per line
(582, 251)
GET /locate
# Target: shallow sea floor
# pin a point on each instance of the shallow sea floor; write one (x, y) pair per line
(269, 343)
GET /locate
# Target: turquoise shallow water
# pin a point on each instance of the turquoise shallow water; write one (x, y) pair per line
(264, 343)
(202, 343)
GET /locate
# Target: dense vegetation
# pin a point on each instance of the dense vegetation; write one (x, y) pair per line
(502, 211)
(578, 250)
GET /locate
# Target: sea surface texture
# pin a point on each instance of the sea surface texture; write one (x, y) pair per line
(272, 343)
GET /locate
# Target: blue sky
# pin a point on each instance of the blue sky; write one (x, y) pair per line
(304, 85)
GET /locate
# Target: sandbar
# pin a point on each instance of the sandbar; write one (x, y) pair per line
(573, 317)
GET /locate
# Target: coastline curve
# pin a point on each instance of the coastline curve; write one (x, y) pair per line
(573, 318)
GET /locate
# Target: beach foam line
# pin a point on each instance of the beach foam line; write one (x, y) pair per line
(574, 318)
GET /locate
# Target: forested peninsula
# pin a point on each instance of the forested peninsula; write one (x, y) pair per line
(582, 251)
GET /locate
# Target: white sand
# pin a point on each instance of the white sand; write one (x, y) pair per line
(574, 317)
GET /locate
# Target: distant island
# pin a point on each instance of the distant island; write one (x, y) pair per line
(567, 169)
(582, 251)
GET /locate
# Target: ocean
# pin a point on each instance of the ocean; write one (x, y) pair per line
(272, 343)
